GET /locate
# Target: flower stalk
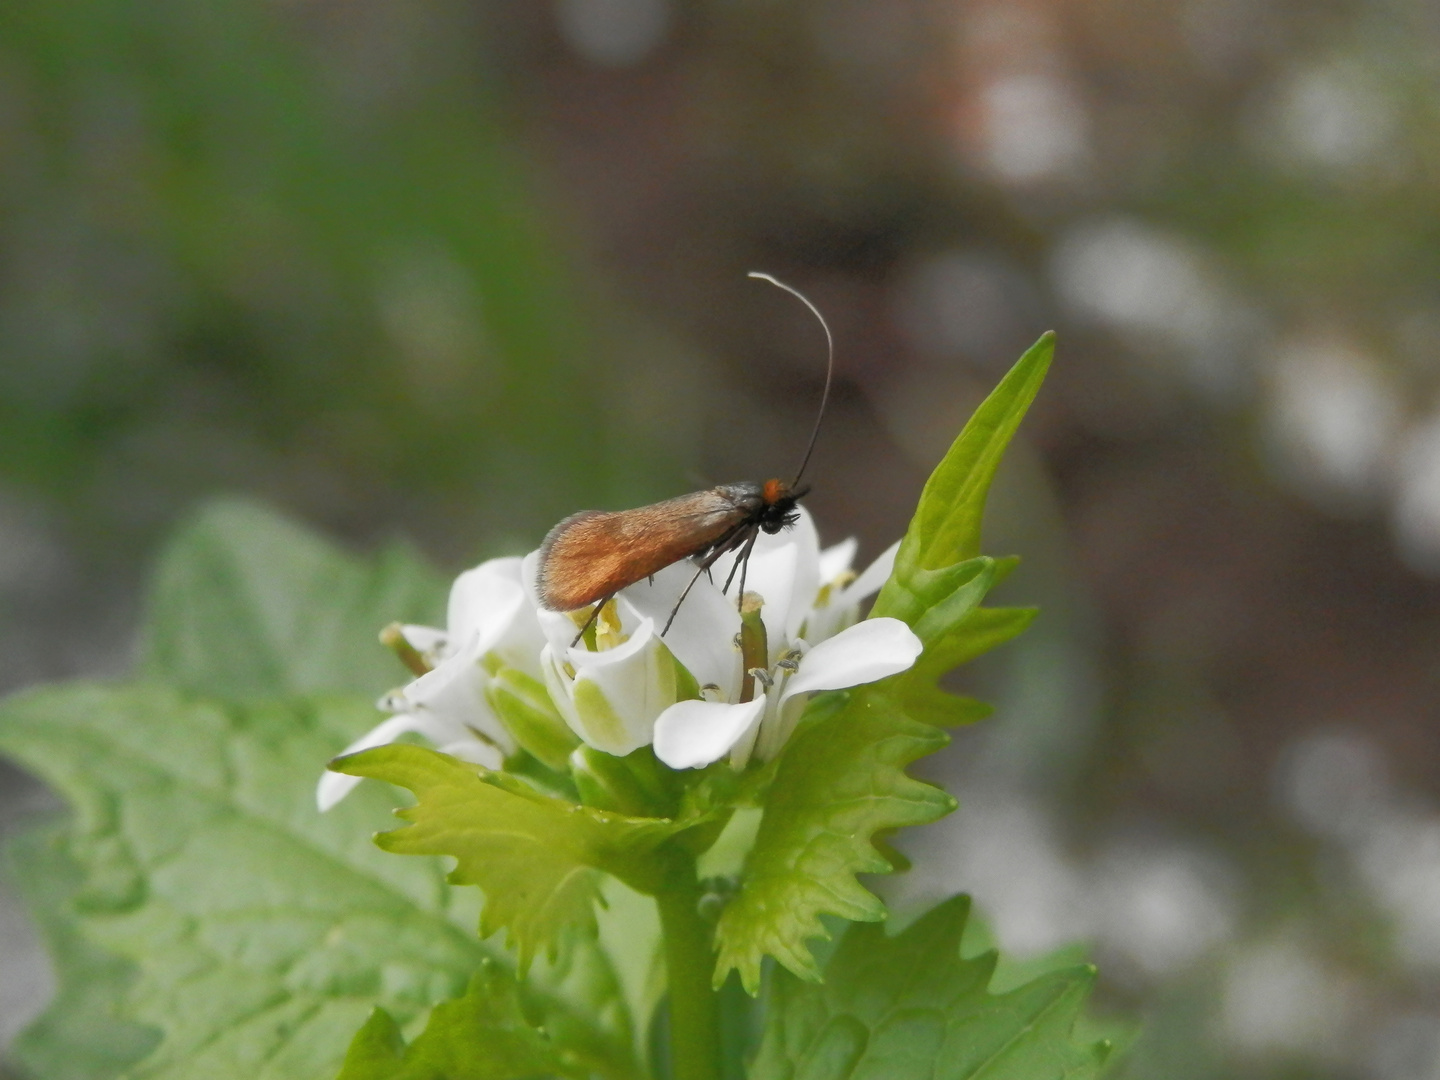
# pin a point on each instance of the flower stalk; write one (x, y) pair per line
(754, 646)
(689, 965)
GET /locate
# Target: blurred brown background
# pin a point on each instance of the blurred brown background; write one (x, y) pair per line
(454, 270)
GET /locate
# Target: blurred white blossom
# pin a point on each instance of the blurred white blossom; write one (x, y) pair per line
(1333, 419)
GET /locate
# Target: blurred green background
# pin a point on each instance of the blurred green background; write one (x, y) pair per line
(450, 271)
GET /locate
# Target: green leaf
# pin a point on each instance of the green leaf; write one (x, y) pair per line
(481, 1036)
(198, 895)
(940, 708)
(909, 1008)
(946, 526)
(246, 604)
(254, 934)
(840, 781)
(79, 1037)
(377, 1051)
(977, 633)
(260, 930)
(940, 577)
(537, 859)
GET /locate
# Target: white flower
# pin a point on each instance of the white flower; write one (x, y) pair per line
(810, 606)
(626, 685)
(695, 733)
(489, 615)
(611, 697)
(612, 694)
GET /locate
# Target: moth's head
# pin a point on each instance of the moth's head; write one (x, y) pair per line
(778, 506)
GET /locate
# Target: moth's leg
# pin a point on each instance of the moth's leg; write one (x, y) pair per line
(743, 561)
(595, 614)
(728, 543)
(744, 556)
(701, 569)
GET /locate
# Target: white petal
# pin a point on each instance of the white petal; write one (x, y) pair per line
(493, 603)
(781, 716)
(489, 612)
(484, 600)
(773, 576)
(560, 684)
(529, 571)
(521, 643)
(805, 581)
(559, 630)
(426, 640)
(807, 573)
(335, 786)
(387, 731)
(843, 608)
(450, 701)
(641, 639)
(690, 734)
(518, 642)
(617, 694)
(865, 652)
(834, 561)
(702, 637)
(870, 580)
(744, 746)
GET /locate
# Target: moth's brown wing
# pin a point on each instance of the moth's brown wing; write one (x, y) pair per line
(594, 554)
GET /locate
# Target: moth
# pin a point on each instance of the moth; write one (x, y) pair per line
(592, 555)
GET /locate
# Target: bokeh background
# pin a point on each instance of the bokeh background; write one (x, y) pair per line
(452, 270)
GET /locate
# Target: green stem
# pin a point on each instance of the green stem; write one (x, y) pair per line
(689, 963)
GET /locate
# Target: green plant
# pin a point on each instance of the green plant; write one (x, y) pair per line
(207, 920)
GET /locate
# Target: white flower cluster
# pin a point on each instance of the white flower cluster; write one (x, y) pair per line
(694, 693)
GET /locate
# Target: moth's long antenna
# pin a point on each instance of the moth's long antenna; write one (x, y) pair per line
(829, 365)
